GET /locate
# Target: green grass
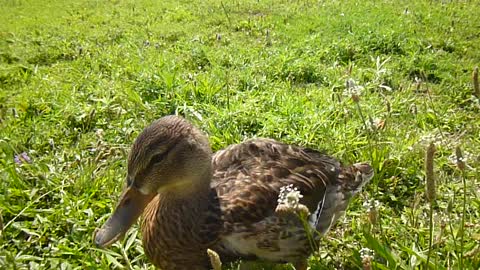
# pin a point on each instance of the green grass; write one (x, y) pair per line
(80, 79)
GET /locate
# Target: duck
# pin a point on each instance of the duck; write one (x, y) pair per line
(259, 200)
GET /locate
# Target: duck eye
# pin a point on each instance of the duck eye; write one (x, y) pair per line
(158, 157)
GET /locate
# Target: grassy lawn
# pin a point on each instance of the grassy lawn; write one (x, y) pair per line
(80, 79)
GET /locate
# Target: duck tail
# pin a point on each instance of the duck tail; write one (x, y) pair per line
(356, 176)
(351, 179)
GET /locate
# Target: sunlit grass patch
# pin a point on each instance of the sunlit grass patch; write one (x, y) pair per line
(79, 80)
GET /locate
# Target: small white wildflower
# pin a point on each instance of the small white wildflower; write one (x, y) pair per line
(377, 123)
(367, 257)
(426, 139)
(366, 252)
(417, 80)
(372, 207)
(351, 87)
(371, 204)
(353, 90)
(441, 218)
(289, 196)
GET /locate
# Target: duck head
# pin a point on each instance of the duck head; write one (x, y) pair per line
(170, 156)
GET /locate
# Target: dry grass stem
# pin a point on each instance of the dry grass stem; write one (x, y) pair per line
(461, 167)
(460, 160)
(430, 175)
(373, 216)
(476, 86)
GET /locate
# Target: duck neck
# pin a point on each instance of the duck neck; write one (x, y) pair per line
(184, 198)
(194, 195)
(177, 213)
(192, 188)
(174, 220)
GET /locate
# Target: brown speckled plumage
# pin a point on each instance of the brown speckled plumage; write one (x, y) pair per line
(248, 178)
(192, 201)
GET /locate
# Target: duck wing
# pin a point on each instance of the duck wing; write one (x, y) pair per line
(248, 178)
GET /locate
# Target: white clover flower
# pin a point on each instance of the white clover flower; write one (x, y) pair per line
(434, 137)
(367, 257)
(371, 204)
(366, 253)
(289, 196)
(441, 218)
(372, 207)
(377, 123)
(352, 89)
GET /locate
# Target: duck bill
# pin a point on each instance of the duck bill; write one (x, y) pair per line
(130, 206)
